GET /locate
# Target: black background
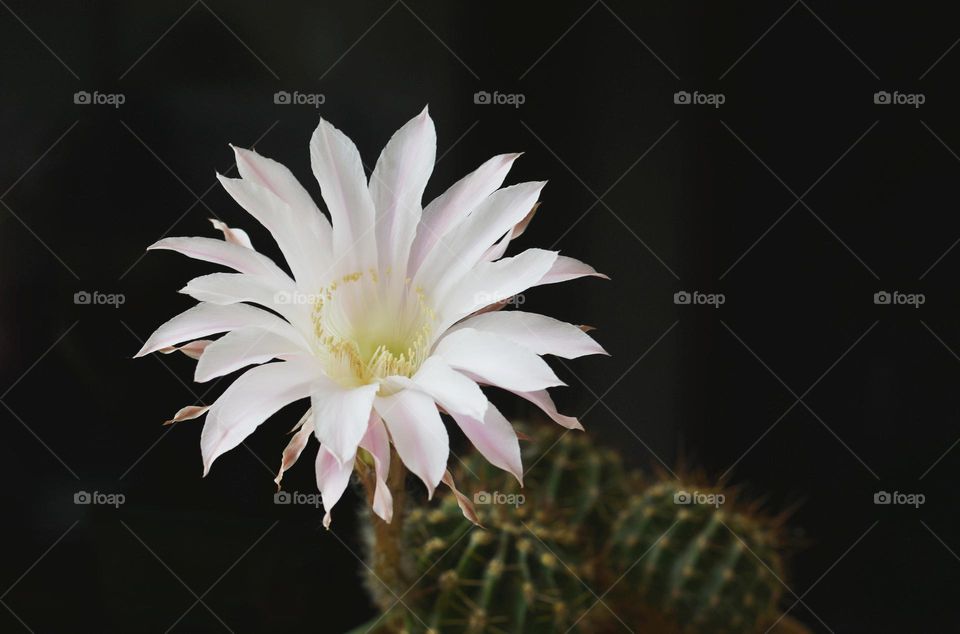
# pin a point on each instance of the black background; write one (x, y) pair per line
(688, 191)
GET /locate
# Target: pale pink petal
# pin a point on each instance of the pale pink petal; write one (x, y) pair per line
(234, 256)
(279, 295)
(236, 236)
(397, 184)
(299, 235)
(568, 269)
(248, 346)
(541, 398)
(193, 349)
(251, 399)
(281, 182)
(495, 439)
(451, 389)
(492, 282)
(418, 434)
(462, 247)
(343, 185)
(539, 333)
(497, 250)
(377, 442)
(295, 447)
(189, 412)
(333, 476)
(496, 360)
(340, 416)
(450, 208)
(206, 319)
(465, 504)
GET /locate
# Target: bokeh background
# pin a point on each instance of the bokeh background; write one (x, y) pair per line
(797, 199)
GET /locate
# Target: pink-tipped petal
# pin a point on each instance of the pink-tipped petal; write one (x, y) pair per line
(455, 204)
(568, 269)
(495, 439)
(456, 253)
(496, 360)
(193, 349)
(340, 416)
(451, 389)
(377, 442)
(206, 319)
(542, 399)
(337, 166)
(295, 447)
(247, 346)
(189, 412)
(465, 504)
(258, 394)
(333, 476)
(492, 282)
(397, 184)
(539, 333)
(236, 236)
(418, 434)
(234, 256)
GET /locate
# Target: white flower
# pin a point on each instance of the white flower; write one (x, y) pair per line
(389, 313)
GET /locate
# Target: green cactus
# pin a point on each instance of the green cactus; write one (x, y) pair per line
(583, 526)
(705, 567)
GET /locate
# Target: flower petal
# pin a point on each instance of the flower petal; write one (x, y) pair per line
(451, 389)
(247, 346)
(568, 269)
(189, 412)
(450, 208)
(492, 282)
(236, 236)
(340, 416)
(299, 235)
(495, 439)
(206, 319)
(496, 360)
(377, 442)
(343, 184)
(281, 182)
(497, 250)
(466, 506)
(333, 477)
(418, 434)
(296, 446)
(193, 349)
(280, 296)
(541, 398)
(462, 247)
(397, 184)
(250, 400)
(539, 333)
(235, 256)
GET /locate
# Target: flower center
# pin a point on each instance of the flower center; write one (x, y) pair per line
(371, 325)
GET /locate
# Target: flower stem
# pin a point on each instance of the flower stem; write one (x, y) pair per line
(384, 550)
